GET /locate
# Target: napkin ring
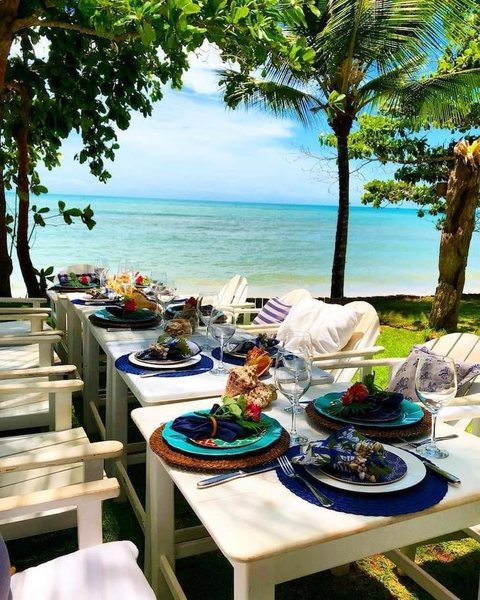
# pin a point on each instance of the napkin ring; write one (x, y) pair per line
(214, 425)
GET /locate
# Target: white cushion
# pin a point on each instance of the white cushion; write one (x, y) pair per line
(104, 572)
(330, 325)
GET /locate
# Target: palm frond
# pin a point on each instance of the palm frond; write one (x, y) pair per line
(279, 99)
(442, 100)
(388, 32)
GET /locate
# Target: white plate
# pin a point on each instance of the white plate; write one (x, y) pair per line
(170, 365)
(416, 471)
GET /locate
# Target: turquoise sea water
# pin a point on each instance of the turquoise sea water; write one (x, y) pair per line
(276, 246)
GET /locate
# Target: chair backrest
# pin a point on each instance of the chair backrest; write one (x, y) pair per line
(365, 335)
(234, 291)
(78, 269)
(294, 296)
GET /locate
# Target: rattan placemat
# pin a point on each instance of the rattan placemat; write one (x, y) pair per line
(127, 325)
(216, 465)
(409, 431)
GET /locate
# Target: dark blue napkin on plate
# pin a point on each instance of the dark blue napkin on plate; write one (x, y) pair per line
(198, 427)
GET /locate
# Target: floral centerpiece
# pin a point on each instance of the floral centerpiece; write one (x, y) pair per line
(364, 398)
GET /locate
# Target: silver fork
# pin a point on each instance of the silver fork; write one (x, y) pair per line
(289, 471)
(451, 436)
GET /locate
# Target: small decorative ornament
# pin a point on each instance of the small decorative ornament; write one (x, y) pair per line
(190, 313)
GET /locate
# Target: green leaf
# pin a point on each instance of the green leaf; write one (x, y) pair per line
(44, 209)
(191, 9)
(240, 13)
(61, 205)
(148, 34)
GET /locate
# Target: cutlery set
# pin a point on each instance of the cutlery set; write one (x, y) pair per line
(286, 466)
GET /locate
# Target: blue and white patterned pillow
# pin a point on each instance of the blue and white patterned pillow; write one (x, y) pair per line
(274, 311)
(404, 379)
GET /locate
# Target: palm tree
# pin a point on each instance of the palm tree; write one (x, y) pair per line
(365, 53)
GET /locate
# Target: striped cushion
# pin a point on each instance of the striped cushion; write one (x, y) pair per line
(274, 311)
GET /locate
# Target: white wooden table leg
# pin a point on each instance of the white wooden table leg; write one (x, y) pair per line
(160, 529)
(74, 339)
(116, 410)
(90, 377)
(254, 581)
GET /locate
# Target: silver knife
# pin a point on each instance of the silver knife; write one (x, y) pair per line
(217, 479)
(450, 477)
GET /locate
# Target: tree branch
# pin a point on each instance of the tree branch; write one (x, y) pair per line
(35, 21)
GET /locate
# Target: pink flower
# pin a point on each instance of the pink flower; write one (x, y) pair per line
(252, 411)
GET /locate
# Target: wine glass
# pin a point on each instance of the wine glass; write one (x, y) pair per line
(222, 328)
(205, 305)
(101, 271)
(436, 385)
(125, 275)
(297, 341)
(293, 376)
(165, 294)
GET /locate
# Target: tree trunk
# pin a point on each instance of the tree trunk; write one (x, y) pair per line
(461, 203)
(341, 126)
(8, 13)
(23, 192)
(6, 266)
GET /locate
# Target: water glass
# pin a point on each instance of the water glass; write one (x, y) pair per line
(125, 274)
(436, 385)
(205, 305)
(293, 376)
(222, 328)
(297, 341)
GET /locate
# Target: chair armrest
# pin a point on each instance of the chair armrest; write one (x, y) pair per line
(358, 364)
(37, 372)
(273, 328)
(51, 337)
(24, 311)
(67, 496)
(239, 306)
(344, 354)
(35, 302)
(36, 459)
(62, 385)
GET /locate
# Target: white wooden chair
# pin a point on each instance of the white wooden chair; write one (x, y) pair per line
(96, 571)
(31, 463)
(461, 412)
(29, 318)
(234, 294)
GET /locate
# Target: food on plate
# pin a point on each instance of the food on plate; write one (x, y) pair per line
(168, 348)
(244, 381)
(259, 358)
(142, 301)
(178, 326)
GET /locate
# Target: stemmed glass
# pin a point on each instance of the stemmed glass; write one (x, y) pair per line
(101, 271)
(125, 275)
(205, 305)
(165, 293)
(222, 328)
(298, 341)
(293, 376)
(436, 385)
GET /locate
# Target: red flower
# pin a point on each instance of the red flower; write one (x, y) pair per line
(84, 279)
(129, 305)
(252, 411)
(191, 302)
(139, 280)
(355, 393)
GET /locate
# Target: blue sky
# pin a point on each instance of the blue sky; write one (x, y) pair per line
(193, 147)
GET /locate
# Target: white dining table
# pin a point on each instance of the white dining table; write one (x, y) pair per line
(268, 534)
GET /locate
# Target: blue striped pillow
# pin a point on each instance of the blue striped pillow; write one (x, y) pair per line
(274, 311)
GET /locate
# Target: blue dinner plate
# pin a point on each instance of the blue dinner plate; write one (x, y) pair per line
(179, 441)
(138, 316)
(411, 413)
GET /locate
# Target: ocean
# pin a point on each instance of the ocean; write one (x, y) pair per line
(278, 247)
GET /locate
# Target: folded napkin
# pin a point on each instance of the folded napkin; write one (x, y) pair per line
(201, 426)
(349, 451)
(267, 343)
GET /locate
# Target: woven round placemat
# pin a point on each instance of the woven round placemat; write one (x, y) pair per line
(127, 325)
(216, 465)
(409, 431)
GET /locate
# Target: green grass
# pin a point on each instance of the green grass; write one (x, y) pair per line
(455, 564)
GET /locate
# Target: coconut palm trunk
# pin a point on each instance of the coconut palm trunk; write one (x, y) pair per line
(341, 126)
(461, 203)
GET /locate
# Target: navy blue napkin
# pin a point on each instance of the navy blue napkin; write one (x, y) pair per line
(198, 427)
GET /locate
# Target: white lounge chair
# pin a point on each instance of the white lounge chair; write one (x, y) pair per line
(97, 571)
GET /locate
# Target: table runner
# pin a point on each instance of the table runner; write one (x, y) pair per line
(419, 497)
(228, 358)
(203, 366)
